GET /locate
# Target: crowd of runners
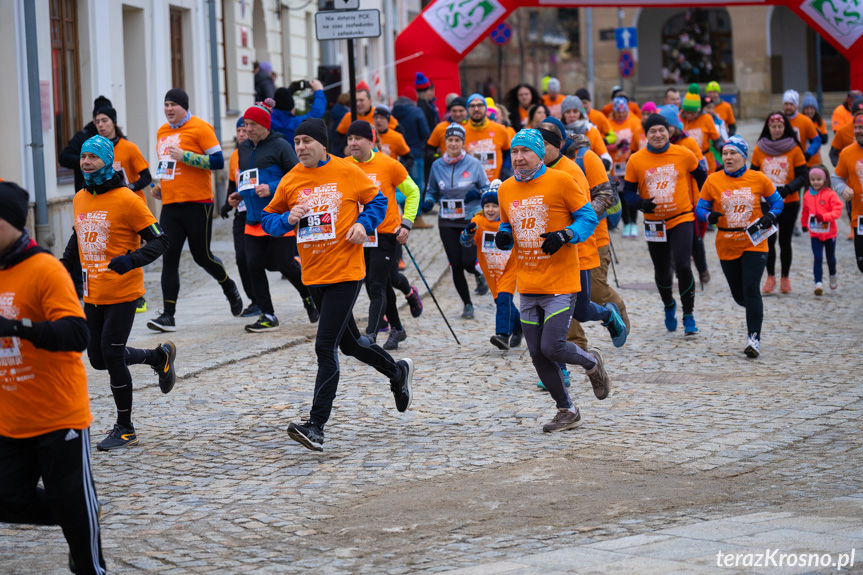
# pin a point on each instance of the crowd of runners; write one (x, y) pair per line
(526, 191)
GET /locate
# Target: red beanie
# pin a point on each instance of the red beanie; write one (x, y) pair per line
(363, 86)
(408, 92)
(260, 114)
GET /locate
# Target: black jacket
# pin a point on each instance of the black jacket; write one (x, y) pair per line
(70, 157)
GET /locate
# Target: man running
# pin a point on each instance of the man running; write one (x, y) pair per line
(803, 126)
(849, 176)
(485, 140)
(320, 199)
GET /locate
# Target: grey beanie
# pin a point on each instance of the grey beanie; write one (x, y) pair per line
(572, 103)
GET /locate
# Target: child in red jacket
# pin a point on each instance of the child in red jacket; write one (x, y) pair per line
(821, 209)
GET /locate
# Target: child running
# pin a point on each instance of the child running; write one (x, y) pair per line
(821, 209)
(497, 267)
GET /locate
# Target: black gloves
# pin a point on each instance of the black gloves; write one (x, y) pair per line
(471, 196)
(766, 221)
(503, 240)
(470, 229)
(713, 217)
(555, 240)
(783, 191)
(8, 327)
(121, 264)
(225, 211)
(647, 206)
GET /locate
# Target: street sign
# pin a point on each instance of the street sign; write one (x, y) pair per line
(346, 4)
(626, 64)
(606, 34)
(501, 34)
(338, 25)
(626, 38)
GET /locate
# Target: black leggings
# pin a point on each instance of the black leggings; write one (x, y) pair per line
(192, 221)
(461, 259)
(744, 280)
(239, 232)
(265, 253)
(382, 273)
(677, 251)
(785, 221)
(62, 460)
(338, 330)
(858, 247)
(110, 326)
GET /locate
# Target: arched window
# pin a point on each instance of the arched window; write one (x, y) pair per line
(696, 47)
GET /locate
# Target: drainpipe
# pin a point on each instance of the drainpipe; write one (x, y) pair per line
(44, 235)
(214, 71)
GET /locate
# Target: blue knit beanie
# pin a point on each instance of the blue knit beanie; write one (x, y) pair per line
(809, 101)
(475, 96)
(672, 114)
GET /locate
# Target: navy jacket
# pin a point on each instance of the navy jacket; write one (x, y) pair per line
(413, 124)
(274, 158)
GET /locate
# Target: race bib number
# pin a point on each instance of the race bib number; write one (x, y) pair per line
(166, 168)
(241, 207)
(757, 235)
(317, 227)
(86, 283)
(487, 159)
(248, 180)
(118, 168)
(452, 209)
(860, 225)
(9, 350)
(619, 169)
(655, 232)
(817, 227)
(488, 245)
(372, 241)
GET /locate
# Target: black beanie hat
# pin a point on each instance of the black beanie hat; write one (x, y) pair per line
(655, 120)
(583, 95)
(362, 129)
(101, 102)
(284, 100)
(14, 204)
(179, 97)
(458, 102)
(314, 128)
(108, 111)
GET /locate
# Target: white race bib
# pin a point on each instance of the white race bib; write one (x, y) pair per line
(165, 169)
(452, 209)
(860, 225)
(372, 242)
(86, 284)
(488, 245)
(241, 207)
(9, 350)
(756, 235)
(817, 227)
(248, 180)
(316, 227)
(655, 231)
(620, 169)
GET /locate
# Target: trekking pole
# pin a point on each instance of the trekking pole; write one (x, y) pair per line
(613, 269)
(428, 287)
(613, 251)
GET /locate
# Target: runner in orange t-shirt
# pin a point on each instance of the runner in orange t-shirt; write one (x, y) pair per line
(542, 215)
(731, 199)
(575, 121)
(849, 172)
(809, 108)
(484, 140)
(722, 108)
(807, 133)
(596, 117)
(110, 222)
(365, 112)
(320, 197)
(628, 135)
(44, 402)
(391, 143)
(188, 150)
(844, 137)
(657, 183)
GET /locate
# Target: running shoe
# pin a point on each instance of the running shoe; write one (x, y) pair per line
(468, 311)
(566, 381)
(141, 306)
(689, 327)
(753, 346)
(233, 295)
(266, 322)
(819, 288)
(401, 387)
(481, 285)
(402, 265)
(598, 377)
(563, 420)
(167, 375)
(372, 337)
(251, 311)
(414, 302)
(769, 285)
(515, 340)
(385, 326)
(704, 277)
(615, 325)
(500, 341)
(670, 319)
(785, 285)
(164, 323)
(311, 310)
(834, 282)
(308, 434)
(396, 336)
(119, 437)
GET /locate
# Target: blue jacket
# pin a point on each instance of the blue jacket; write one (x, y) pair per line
(273, 157)
(414, 126)
(287, 123)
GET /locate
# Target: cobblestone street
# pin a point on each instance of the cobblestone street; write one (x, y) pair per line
(699, 450)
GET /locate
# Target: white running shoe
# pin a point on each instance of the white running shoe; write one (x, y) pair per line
(834, 282)
(819, 289)
(753, 346)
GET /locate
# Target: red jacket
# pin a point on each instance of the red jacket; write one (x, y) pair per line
(825, 204)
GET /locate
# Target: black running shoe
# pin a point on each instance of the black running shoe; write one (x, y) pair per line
(414, 302)
(481, 286)
(395, 338)
(167, 375)
(515, 340)
(264, 323)
(314, 316)
(251, 311)
(164, 323)
(119, 437)
(401, 387)
(233, 295)
(500, 341)
(307, 434)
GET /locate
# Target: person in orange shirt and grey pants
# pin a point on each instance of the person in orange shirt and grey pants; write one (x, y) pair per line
(44, 402)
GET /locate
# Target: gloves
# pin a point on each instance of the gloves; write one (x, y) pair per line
(783, 191)
(121, 264)
(8, 327)
(471, 196)
(766, 221)
(470, 229)
(713, 217)
(427, 206)
(503, 240)
(225, 211)
(647, 206)
(806, 156)
(555, 240)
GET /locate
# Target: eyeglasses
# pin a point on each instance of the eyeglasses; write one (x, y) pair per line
(476, 106)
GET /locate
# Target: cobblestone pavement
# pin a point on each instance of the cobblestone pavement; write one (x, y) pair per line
(698, 451)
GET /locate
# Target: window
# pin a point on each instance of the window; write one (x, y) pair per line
(178, 73)
(696, 47)
(64, 71)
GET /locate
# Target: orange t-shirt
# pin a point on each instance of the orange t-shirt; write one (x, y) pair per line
(703, 130)
(497, 265)
(553, 104)
(844, 137)
(724, 110)
(336, 188)
(597, 143)
(522, 116)
(393, 144)
(779, 169)
(40, 391)
(487, 146)
(107, 226)
(588, 257)
(633, 107)
(841, 118)
(437, 139)
(386, 174)
(130, 163)
(234, 167)
(664, 178)
(595, 172)
(629, 130)
(806, 131)
(690, 145)
(599, 120)
(850, 168)
(190, 184)
(343, 126)
(544, 204)
(739, 200)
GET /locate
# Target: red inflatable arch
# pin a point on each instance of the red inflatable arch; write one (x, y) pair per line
(447, 30)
